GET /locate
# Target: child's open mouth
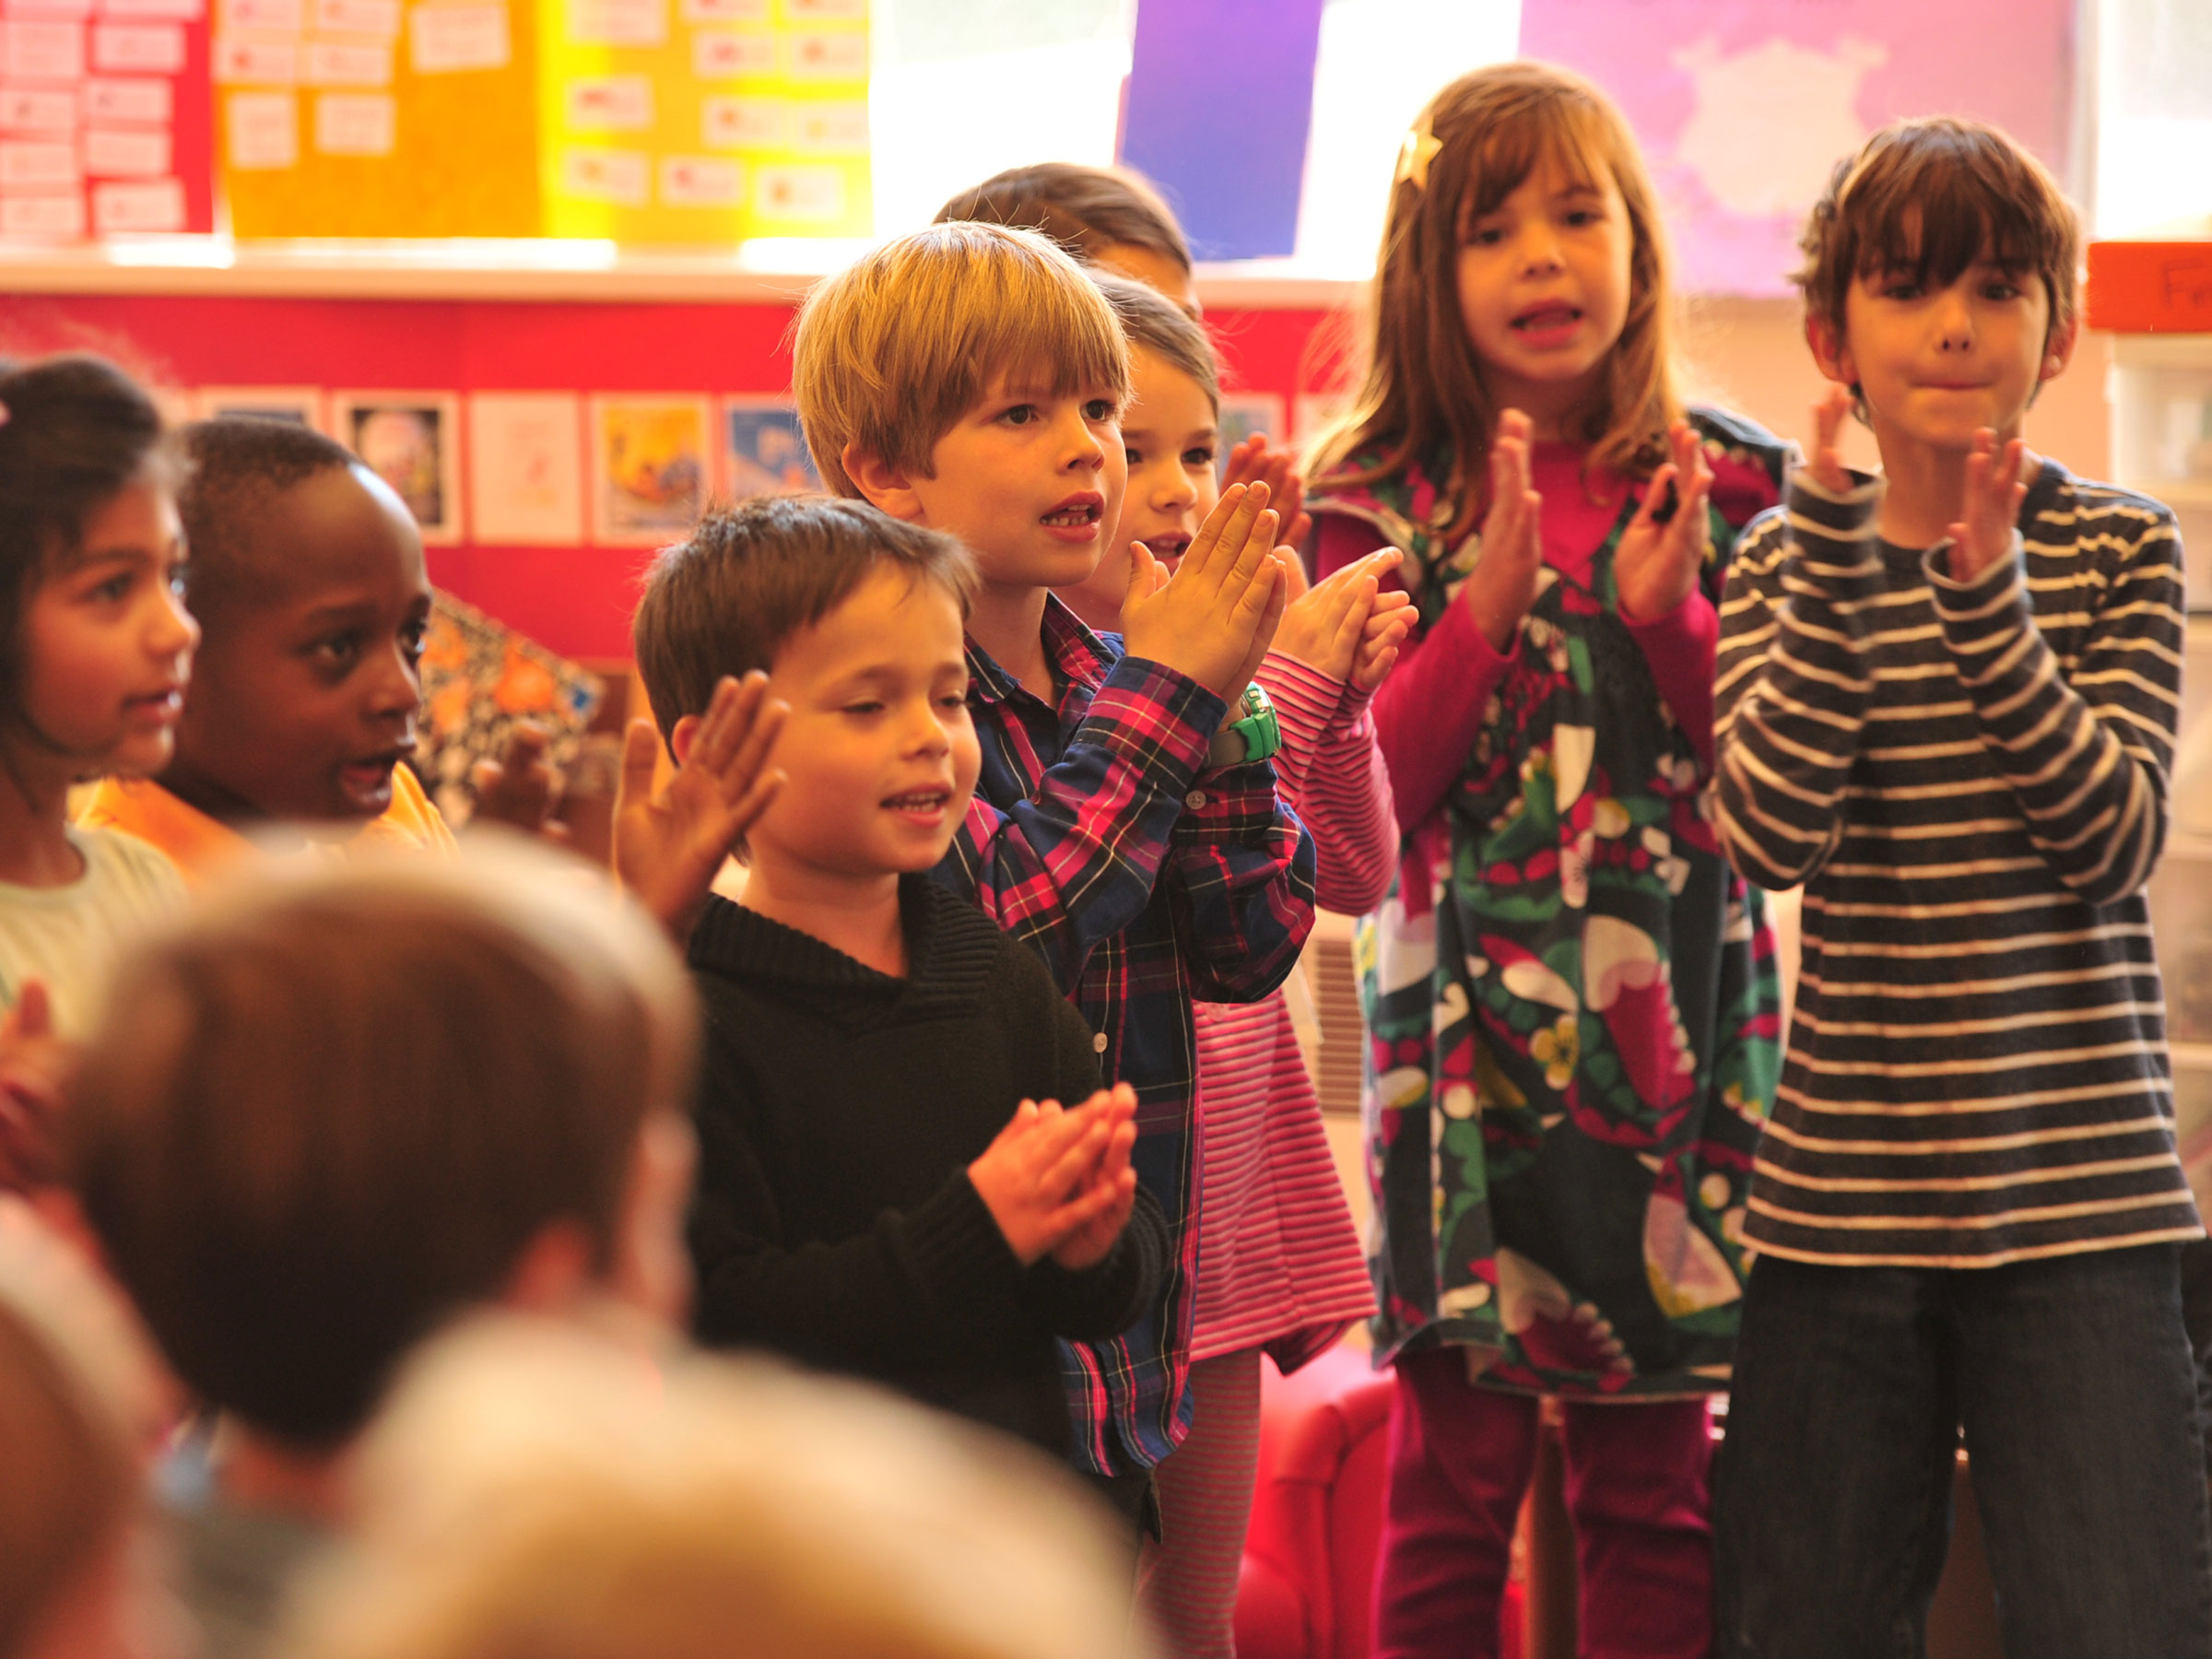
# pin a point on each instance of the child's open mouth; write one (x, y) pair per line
(1544, 319)
(922, 806)
(1079, 513)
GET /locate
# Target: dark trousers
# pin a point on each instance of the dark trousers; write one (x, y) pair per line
(2077, 1391)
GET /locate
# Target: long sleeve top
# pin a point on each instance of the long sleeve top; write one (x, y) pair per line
(1969, 779)
(1100, 836)
(838, 1111)
(1279, 1262)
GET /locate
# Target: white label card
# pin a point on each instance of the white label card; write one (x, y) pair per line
(829, 57)
(839, 128)
(610, 103)
(129, 101)
(447, 40)
(811, 11)
(277, 16)
(799, 193)
(718, 55)
(48, 9)
(701, 182)
(42, 50)
(33, 165)
(263, 129)
(621, 177)
(740, 123)
(257, 62)
(335, 63)
(37, 110)
(140, 48)
(43, 214)
(355, 124)
(378, 17)
(126, 153)
(618, 22)
(723, 11)
(157, 204)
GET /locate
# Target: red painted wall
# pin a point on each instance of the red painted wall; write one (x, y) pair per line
(576, 600)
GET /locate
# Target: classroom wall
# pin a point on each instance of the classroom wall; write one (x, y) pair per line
(576, 599)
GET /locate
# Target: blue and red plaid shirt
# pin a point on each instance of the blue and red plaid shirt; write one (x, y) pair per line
(1098, 838)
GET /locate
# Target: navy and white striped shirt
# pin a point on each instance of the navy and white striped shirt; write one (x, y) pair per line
(1970, 781)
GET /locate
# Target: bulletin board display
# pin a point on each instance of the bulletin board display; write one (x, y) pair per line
(104, 125)
(378, 118)
(704, 121)
(546, 448)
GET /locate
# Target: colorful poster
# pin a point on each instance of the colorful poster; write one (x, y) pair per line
(1743, 107)
(103, 119)
(651, 460)
(480, 679)
(377, 117)
(704, 121)
(762, 451)
(525, 467)
(411, 440)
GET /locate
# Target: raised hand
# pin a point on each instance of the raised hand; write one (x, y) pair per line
(34, 1063)
(1325, 626)
(1251, 462)
(1826, 463)
(1214, 618)
(1036, 1176)
(1503, 585)
(1665, 544)
(1387, 625)
(669, 846)
(1995, 490)
(519, 788)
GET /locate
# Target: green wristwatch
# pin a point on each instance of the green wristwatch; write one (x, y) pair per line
(1254, 735)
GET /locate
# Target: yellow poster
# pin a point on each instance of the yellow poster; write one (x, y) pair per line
(705, 121)
(378, 118)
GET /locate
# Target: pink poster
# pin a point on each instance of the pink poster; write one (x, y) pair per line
(1743, 107)
(104, 128)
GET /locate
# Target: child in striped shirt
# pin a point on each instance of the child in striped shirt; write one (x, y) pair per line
(1947, 698)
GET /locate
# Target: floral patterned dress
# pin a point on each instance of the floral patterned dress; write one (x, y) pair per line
(1574, 1032)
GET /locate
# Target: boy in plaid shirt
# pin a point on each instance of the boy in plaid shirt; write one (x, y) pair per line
(970, 377)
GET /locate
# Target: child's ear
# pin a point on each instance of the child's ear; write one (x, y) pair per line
(1831, 355)
(2058, 348)
(886, 487)
(680, 739)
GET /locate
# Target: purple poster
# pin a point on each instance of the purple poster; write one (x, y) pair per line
(1743, 107)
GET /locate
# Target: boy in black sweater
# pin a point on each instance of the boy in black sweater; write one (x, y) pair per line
(887, 1184)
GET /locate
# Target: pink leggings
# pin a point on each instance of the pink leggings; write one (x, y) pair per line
(1205, 1489)
(1460, 1457)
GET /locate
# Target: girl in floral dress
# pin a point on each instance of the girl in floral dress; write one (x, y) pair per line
(1571, 1003)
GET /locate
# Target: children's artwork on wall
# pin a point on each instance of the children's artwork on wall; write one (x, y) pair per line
(479, 679)
(302, 405)
(1743, 107)
(652, 454)
(411, 441)
(104, 118)
(1244, 413)
(526, 468)
(705, 121)
(762, 451)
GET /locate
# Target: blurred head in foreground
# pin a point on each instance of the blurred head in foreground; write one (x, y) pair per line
(535, 1491)
(339, 1104)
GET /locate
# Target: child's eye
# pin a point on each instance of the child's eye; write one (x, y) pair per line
(1100, 409)
(1900, 287)
(2001, 289)
(1019, 415)
(339, 650)
(1485, 236)
(114, 590)
(864, 708)
(1203, 455)
(1135, 457)
(1581, 217)
(180, 578)
(953, 700)
(411, 639)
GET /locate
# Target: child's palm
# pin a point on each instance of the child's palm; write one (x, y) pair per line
(1657, 563)
(1993, 494)
(1503, 585)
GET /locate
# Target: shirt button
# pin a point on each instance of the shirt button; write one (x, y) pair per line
(1098, 1043)
(1195, 800)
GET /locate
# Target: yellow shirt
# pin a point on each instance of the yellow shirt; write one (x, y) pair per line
(201, 847)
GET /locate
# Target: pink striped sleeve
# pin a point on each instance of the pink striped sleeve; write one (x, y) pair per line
(1331, 774)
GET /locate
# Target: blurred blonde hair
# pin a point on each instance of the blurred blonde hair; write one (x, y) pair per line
(894, 349)
(1422, 401)
(534, 1490)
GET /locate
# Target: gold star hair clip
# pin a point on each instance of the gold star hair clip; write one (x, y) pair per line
(1416, 153)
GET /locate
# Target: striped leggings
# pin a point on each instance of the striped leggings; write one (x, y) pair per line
(1190, 1580)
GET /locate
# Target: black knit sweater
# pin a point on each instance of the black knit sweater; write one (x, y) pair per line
(838, 1111)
